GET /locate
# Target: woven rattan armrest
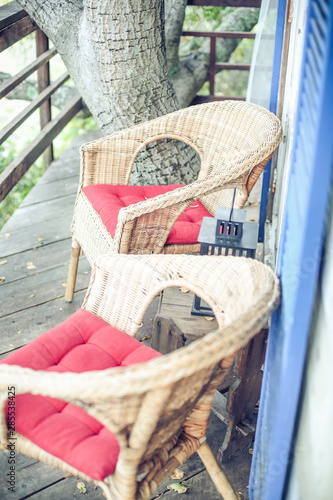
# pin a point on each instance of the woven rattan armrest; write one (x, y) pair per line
(88, 390)
(147, 224)
(40, 382)
(77, 388)
(108, 160)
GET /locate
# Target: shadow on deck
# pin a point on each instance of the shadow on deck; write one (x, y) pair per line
(34, 255)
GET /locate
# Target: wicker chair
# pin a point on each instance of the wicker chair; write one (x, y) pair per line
(143, 419)
(234, 140)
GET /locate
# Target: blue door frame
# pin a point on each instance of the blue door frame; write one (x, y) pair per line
(281, 14)
(299, 262)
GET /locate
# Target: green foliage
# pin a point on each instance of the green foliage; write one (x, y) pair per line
(8, 152)
(19, 55)
(233, 83)
(199, 19)
(77, 126)
(203, 18)
(243, 52)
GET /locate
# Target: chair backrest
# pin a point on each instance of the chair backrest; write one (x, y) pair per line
(121, 289)
(150, 402)
(226, 135)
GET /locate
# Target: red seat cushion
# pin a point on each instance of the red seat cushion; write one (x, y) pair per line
(82, 343)
(107, 200)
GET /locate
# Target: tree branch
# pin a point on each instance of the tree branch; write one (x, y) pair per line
(174, 19)
(192, 73)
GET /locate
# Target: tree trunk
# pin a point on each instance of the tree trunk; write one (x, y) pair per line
(115, 53)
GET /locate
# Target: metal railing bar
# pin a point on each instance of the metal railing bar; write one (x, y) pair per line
(228, 66)
(220, 34)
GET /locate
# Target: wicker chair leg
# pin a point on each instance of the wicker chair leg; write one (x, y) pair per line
(218, 477)
(72, 271)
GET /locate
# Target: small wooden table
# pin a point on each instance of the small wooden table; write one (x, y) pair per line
(236, 401)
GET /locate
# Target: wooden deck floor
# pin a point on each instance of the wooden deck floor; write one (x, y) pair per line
(34, 254)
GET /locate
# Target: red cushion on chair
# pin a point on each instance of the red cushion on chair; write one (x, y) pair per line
(107, 200)
(82, 343)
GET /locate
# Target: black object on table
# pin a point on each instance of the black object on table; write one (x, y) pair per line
(227, 233)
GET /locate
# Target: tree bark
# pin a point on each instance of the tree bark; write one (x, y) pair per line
(174, 20)
(115, 53)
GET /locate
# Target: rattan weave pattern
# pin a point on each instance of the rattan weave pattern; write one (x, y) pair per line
(158, 410)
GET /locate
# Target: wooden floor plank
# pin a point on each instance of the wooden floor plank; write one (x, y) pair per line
(30, 476)
(35, 236)
(177, 305)
(33, 215)
(52, 190)
(200, 485)
(68, 169)
(170, 295)
(193, 327)
(39, 288)
(68, 490)
(69, 161)
(44, 258)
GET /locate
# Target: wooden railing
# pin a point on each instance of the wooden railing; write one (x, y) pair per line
(215, 66)
(213, 35)
(15, 24)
